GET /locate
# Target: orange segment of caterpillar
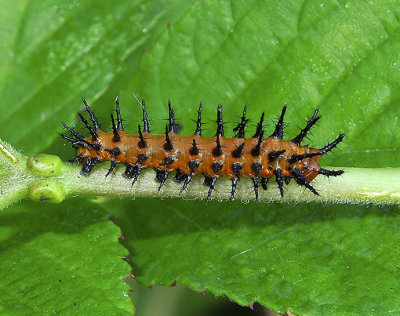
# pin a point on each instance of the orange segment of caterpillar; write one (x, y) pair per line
(257, 157)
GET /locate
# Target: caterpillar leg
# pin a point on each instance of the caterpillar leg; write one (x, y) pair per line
(279, 180)
(137, 171)
(301, 180)
(210, 182)
(180, 176)
(88, 165)
(162, 176)
(129, 171)
(255, 186)
(234, 185)
(193, 165)
(185, 184)
(113, 164)
(132, 171)
(264, 183)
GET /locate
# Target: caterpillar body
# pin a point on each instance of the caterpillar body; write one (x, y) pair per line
(257, 157)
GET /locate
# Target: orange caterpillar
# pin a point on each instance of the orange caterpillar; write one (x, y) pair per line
(257, 157)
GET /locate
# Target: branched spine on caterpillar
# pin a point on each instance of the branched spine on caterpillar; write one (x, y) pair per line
(257, 157)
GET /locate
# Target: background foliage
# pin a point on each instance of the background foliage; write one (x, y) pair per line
(339, 56)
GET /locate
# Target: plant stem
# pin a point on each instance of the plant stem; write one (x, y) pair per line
(45, 178)
(356, 185)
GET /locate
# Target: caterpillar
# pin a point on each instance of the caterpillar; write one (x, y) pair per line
(256, 157)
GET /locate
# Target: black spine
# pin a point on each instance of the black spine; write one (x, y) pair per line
(217, 151)
(194, 150)
(73, 133)
(239, 130)
(329, 173)
(321, 152)
(116, 137)
(168, 144)
(273, 155)
(77, 158)
(257, 149)
(295, 158)
(278, 133)
(92, 116)
(115, 151)
(94, 134)
(259, 129)
(238, 151)
(78, 138)
(332, 145)
(146, 128)
(119, 119)
(303, 133)
(73, 140)
(171, 118)
(142, 143)
(198, 122)
(220, 122)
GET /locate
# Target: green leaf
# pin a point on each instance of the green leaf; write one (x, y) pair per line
(339, 56)
(61, 261)
(311, 259)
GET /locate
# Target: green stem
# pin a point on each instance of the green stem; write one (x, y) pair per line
(356, 185)
(14, 181)
(45, 178)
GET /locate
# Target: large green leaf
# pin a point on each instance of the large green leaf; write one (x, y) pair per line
(339, 56)
(61, 261)
(311, 259)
